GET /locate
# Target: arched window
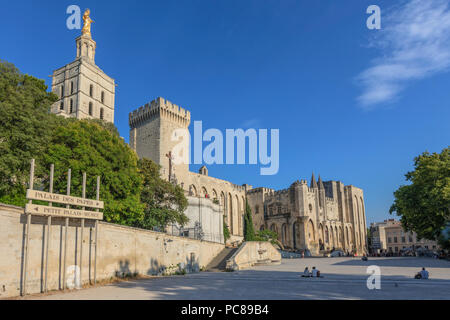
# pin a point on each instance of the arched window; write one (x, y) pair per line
(90, 108)
(61, 106)
(91, 90)
(71, 87)
(71, 106)
(103, 97)
(101, 113)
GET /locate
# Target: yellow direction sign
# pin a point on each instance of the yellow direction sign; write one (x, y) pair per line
(60, 198)
(62, 212)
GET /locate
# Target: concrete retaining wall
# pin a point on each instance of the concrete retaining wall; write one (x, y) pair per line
(254, 252)
(121, 250)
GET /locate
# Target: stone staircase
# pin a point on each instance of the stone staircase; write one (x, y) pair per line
(219, 263)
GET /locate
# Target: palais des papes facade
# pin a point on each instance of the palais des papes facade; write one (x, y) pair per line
(317, 217)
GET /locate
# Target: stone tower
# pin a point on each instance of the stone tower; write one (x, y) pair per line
(84, 90)
(151, 131)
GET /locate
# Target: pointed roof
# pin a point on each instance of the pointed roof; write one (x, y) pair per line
(320, 182)
(313, 181)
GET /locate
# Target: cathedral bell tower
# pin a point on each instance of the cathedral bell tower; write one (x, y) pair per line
(84, 90)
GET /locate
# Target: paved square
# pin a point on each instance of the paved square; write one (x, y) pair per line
(344, 278)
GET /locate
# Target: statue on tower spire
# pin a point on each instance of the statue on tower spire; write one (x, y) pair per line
(86, 31)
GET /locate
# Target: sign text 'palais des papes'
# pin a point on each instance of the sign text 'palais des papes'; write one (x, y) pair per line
(63, 199)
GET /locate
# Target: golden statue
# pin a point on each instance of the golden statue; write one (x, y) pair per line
(87, 23)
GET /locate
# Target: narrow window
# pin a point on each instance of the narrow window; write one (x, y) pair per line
(103, 97)
(90, 108)
(61, 106)
(101, 113)
(91, 90)
(71, 87)
(62, 91)
(71, 106)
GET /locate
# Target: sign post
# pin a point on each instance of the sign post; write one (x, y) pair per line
(27, 235)
(57, 211)
(49, 227)
(69, 174)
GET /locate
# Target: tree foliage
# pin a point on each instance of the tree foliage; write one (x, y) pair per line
(226, 231)
(164, 202)
(424, 205)
(267, 235)
(249, 231)
(86, 146)
(25, 123)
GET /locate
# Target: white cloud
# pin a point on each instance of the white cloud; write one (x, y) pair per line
(415, 44)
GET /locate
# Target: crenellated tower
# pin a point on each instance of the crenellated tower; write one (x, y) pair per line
(153, 135)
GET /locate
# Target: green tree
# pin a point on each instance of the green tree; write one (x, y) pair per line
(164, 202)
(249, 232)
(25, 127)
(226, 231)
(267, 235)
(87, 146)
(369, 237)
(424, 204)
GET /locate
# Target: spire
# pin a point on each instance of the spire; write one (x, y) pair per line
(85, 44)
(313, 181)
(320, 183)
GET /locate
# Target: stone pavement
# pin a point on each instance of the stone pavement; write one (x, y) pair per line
(344, 278)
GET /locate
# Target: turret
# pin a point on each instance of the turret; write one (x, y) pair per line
(313, 181)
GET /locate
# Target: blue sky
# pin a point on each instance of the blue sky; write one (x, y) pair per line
(352, 104)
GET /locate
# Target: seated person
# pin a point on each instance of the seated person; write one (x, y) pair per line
(314, 272)
(306, 273)
(424, 274)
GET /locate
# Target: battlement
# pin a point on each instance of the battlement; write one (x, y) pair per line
(260, 190)
(159, 108)
(299, 182)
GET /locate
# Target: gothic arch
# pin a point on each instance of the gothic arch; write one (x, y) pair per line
(239, 216)
(295, 240)
(192, 190)
(273, 227)
(321, 234)
(230, 213)
(347, 236)
(336, 234)
(357, 239)
(311, 232)
(284, 234)
(332, 239)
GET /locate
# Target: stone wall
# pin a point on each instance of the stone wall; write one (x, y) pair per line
(252, 253)
(121, 250)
